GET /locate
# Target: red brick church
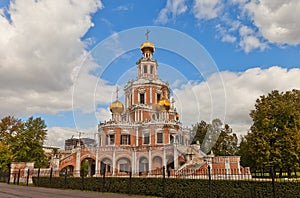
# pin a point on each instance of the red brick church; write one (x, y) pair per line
(145, 134)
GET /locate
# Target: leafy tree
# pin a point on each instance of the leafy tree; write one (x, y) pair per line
(9, 128)
(243, 151)
(6, 156)
(200, 130)
(213, 137)
(226, 145)
(275, 133)
(23, 140)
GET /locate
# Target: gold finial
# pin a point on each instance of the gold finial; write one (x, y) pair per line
(147, 34)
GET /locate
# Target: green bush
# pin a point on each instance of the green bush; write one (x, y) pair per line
(174, 187)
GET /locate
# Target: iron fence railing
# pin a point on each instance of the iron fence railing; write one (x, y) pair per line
(268, 174)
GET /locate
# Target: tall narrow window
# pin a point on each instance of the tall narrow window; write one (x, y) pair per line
(110, 140)
(151, 69)
(171, 139)
(145, 69)
(158, 97)
(159, 138)
(142, 98)
(146, 138)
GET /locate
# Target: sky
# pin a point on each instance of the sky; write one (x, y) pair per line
(62, 60)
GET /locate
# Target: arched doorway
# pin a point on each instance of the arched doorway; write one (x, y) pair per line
(124, 165)
(67, 170)
(156, 166)
(88, 167)
(106, 166)
(143, 165)
(170, 162)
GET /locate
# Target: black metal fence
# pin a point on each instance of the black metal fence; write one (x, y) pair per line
(266, 174)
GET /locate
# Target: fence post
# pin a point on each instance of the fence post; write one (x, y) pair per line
(38, 177)
(164, 181)
(19, 173)
(66, 172)
(27, 179)
(209, 181)
(9, 172)
(82, 179)
(130, 181)
(14, 178)
(103, 180)
(51, 170)
(273, 178)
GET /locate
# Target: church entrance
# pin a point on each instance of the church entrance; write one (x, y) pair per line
(88, 167)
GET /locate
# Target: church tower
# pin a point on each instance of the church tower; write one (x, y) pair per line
(148, 97)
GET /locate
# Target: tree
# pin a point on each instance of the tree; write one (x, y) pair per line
(9, 128)
(226, 145)
(24, 140)
(200, 130)
(275, 133)
(6, 156)
(243, 151)
(213, 137)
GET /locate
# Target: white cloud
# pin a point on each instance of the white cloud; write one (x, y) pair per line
(40, 49)
(249, 43)
(238, 1)
(173, 9)
(207, 9)
(197, 101)
(228, 38)
(56, 136)
(124, 7)
(245, 31)
(278, 21)
(103, 114)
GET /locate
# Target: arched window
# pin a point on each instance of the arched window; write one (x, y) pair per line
(143, 165)
(124, 165)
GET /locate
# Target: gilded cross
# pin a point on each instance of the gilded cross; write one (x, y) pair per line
(147, 34)
(117, 93)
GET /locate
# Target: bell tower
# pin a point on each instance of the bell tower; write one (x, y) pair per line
(147, 66)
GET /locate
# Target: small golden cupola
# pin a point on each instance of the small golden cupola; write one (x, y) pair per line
(116, 107)
(164, 104)
(147, 47)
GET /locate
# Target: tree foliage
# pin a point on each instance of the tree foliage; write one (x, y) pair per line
(275, 133)
(22, 141)
(216, 138)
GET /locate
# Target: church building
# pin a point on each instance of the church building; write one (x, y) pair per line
(145, 134)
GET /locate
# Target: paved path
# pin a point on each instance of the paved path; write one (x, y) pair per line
(15, 191)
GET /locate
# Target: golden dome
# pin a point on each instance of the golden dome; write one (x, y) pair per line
(116, 107)
(164, 104)
(147, 45)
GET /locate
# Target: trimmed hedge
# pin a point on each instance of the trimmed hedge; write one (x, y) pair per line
(174, 187)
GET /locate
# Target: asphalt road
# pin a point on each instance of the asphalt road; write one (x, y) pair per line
(15, 191)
